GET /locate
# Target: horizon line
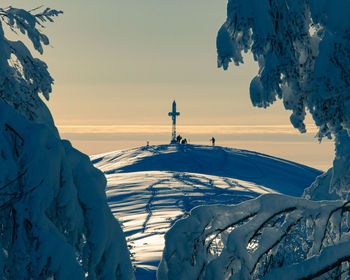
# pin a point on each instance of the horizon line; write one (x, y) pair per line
(188, 129)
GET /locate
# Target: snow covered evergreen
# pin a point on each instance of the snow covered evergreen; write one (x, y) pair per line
(303, 51)
(54, 219)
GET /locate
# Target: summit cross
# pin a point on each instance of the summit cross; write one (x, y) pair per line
(173, 115)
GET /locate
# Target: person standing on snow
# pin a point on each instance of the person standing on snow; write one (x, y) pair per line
(212, 140)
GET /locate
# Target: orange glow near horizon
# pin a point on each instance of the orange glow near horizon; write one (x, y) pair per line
(185, 129)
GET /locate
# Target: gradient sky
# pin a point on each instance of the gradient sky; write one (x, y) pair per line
(118, 64)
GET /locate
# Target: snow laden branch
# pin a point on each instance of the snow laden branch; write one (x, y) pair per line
(302, 48)
(27, 22)
(24, 77)
(271, 237)
(303, 51)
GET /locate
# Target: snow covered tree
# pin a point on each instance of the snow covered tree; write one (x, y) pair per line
(271, 237)
(303, 51)
(54, 219)
(24, 77)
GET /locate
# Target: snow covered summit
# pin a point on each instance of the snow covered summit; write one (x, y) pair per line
(246, 165)
(149, 188)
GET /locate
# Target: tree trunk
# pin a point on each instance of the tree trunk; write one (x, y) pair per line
(335, 183)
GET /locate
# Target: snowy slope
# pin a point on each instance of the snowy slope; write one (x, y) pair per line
(149, 188)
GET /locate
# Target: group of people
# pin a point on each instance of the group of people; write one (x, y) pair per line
(179, 140)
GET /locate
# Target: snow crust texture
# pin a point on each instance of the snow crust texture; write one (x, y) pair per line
(150, 188)
(261, 169)
(54, 218)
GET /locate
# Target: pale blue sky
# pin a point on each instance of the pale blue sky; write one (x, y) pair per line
(122, 62)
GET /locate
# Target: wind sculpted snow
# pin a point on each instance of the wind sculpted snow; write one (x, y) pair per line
(149, 188)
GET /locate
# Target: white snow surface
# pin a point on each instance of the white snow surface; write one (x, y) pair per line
(149, 188)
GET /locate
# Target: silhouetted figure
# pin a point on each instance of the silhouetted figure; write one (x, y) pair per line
(178, 138)
(184, 141)
(212, 140)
